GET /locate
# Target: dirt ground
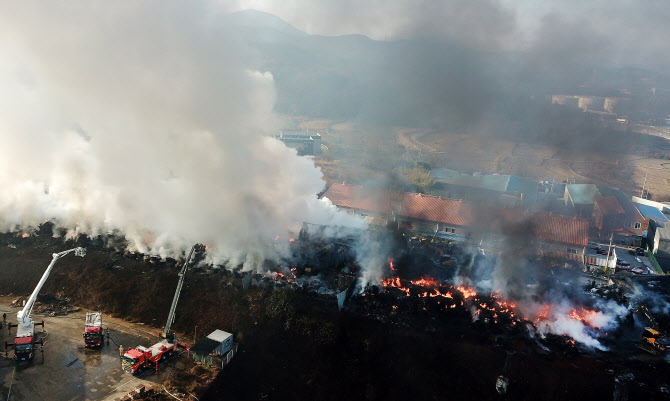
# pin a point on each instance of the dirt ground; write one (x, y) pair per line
(468, 153)
(66, 370)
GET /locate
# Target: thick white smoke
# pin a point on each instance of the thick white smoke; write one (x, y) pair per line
(144, 118)
(540, 295)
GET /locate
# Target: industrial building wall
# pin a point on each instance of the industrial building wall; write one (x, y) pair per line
(427, 226)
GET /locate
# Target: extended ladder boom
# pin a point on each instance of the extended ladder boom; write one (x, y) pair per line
(23, 316)
(182, 273)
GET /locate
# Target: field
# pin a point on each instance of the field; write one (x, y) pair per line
(614, 157)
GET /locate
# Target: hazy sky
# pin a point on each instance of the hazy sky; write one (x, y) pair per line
(623, 31)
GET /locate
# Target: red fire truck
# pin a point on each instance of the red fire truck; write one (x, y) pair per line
(93, 330)
(25, 325)
(137, 359)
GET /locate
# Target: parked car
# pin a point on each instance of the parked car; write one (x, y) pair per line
(601, 251)
(622, 263)
(639, 252)
(637, 270)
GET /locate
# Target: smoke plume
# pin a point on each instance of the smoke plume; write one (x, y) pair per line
(545, 295)
(145, 119)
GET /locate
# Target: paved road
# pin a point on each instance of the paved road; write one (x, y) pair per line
(624, 254)
(67, 370)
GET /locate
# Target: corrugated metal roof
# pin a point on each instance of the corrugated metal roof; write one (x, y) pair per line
(492, 182)
(524, 186)
(219, 335)
(548, 227)
(359, 198)
(204, 346)
(583, 194)
(624, 200)
(495, 182)
(563, 229)
(443, 173)
(433, 208)
(609, 205)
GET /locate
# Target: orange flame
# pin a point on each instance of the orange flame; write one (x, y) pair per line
(467, 292)
(425, 282)
(586, 315)
(395, 282)
(543, 315)
(391, 264)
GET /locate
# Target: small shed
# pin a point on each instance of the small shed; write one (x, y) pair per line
(215, 349)
(202, 350)
(224, 341)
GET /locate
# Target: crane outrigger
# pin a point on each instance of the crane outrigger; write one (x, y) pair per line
(25, 326)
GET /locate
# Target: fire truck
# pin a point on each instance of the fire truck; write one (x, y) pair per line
(93, 330)
(24, 341)
(140, 358)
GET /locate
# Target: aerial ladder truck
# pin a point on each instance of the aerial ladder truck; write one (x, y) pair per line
(25, 326)
(139, 358)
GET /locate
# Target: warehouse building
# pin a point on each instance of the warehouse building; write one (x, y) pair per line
(555, 236)
(491, 189)
(305, 144)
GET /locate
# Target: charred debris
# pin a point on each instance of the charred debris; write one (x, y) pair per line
(425, 282)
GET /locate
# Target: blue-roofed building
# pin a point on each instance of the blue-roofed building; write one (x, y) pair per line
(650, 212)
(523, 186)
(658, 233)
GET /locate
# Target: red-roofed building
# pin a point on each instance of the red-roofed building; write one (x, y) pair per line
(615, 214)
(557, 236)
(432, 213)
(364, 201)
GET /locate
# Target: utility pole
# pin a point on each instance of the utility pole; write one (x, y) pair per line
(644, 184)
(609, 250)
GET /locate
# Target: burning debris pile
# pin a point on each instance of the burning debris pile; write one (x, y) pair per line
(511, 291)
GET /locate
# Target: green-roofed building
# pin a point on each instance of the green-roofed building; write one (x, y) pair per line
(582, 197)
